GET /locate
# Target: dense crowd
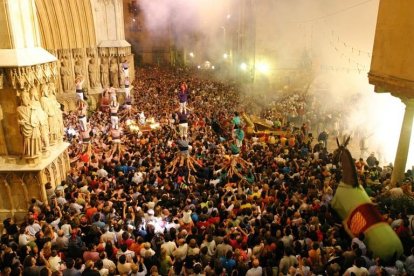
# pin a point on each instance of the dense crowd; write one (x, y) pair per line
(256, 206)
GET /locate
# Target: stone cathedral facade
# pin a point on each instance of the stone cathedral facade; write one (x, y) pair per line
(44, 46)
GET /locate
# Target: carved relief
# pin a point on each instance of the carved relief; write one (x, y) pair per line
(39, 115)
(53, 52)
(93, 71)
(104, 52)
(113, 51)
(66, 75)
(58, 112)
(32, 184)
(49, 108)
(18, 198)
(104, 69)
(61, 168)
(48, 74)
(55, 174)
(25, 77)
(121, 75)
(5, 195)
(78, 68)
(91, 52)
(3, 145)
(114, 73)
(39, 74)
(48, 174)
(29, 127)
(1, 78)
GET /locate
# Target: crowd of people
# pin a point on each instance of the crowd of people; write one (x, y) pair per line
(196, 195)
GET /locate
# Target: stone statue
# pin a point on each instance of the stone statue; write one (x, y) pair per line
(66, 76)
(29, 127)
(58, 111)
(3, 146)
(105, 73)
(78, 69)
(48, 107)
(40, 115)
(93, 73)
(121, 75)
(113, 71)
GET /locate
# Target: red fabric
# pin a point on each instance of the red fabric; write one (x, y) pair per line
(363, 217)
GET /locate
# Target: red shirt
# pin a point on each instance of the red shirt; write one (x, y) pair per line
(90, 212)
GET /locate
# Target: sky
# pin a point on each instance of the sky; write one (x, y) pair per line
(339, 36)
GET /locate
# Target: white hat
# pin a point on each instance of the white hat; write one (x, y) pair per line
(150, 212)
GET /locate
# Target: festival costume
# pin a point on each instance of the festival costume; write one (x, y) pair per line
(114, 115)
(183, 125)
(79, 90)
(360, 215)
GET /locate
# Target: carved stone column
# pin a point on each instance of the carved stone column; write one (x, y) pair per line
(110, 36)
(403, 143)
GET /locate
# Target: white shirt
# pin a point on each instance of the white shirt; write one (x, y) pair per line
(23, 239)
(108, 264)
(55, 263)
(101, 173)
(169, 247)
(255, 271)
(33, 229)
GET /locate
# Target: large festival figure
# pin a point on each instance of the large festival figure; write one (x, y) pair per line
(359, 214)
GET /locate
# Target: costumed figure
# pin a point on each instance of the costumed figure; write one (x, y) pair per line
(183, 161)
(127, 88)
(359, 214)
(234, 163)
(239, 136)
(236, 123)
(128, 110)
(116, 140)
(125, 69)
(121, 75)
(114, 107)
(183, 97)
(82, 114)
(183, 125)
(112, 93)
(142, 118)
(79, 90)
(85, 135)
(105, 100)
